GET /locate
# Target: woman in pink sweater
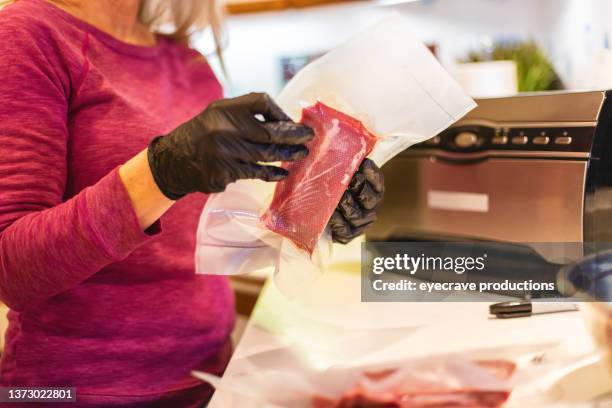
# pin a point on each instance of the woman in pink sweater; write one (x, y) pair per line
(98, 212)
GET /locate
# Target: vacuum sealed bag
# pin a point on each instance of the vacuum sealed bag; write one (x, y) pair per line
(304, 202)
(374, 96)
(428, 383)
(538, 375)
(435, 381)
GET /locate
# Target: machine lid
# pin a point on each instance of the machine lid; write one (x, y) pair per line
(540, 107)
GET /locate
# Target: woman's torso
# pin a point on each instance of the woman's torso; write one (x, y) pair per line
(138, 326)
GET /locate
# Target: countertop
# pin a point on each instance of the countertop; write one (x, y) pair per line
(329, 324)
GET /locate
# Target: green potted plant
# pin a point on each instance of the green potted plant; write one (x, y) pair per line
(534, 71)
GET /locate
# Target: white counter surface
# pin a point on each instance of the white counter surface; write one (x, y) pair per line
(330, 324)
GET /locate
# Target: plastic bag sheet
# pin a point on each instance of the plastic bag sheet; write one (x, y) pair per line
(428, 382)
(483, 378)
(383, 80)
(388, 80)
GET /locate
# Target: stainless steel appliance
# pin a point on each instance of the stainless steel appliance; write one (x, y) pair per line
(527, 168)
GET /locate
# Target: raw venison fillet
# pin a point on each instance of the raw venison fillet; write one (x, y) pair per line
(436, 386)
(304, 202)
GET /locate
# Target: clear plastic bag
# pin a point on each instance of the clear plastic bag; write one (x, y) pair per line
(383, 80)
(429, 382)
(538, 375)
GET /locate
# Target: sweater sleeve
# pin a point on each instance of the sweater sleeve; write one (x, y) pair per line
(48, 245)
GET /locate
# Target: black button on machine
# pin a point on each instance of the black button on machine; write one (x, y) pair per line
(466, 139)
(499, 140)
(541, 140)
(563, 140)
(520, 140)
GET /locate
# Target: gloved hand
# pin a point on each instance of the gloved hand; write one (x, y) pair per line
(225, 143)
(357, 208)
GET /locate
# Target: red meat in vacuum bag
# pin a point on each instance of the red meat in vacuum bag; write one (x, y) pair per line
(437, 386)
(304, 202)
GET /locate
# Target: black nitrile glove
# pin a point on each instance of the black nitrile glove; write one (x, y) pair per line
(357, 208)
(225, 143)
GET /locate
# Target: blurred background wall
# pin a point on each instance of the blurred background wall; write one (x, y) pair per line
(575, 34)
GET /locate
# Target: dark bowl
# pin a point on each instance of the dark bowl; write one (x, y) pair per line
(590, 280)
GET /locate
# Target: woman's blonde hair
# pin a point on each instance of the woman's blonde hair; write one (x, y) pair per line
(178, 18)
(182, 17)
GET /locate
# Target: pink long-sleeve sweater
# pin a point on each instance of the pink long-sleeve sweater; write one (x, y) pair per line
(96, 303)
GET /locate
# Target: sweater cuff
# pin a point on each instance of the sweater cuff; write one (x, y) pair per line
(112, 218)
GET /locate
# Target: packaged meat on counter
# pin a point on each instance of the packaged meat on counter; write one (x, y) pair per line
(430, 384)
(508, 377)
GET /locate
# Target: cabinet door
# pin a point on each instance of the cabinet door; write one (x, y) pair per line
(251, 6)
